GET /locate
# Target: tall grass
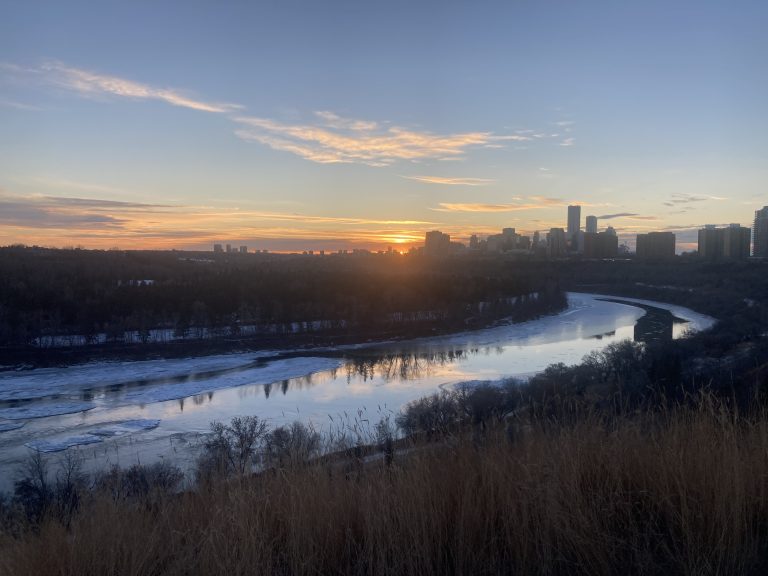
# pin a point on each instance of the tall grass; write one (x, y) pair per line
(676, 492)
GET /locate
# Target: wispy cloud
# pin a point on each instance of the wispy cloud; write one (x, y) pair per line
(531, 203)
(477, 207)
(326, 138)
(683, 198)
(452, 181)
(19, 105)
(334, 139)
(568, 142)
(628, 215)
(90, 83)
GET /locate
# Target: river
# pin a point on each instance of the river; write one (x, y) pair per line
(128, 412)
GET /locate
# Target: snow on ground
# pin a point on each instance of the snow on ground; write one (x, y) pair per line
(696, 322)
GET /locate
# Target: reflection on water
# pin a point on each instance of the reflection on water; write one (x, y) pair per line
(329, 382)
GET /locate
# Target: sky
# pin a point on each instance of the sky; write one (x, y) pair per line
(291, 126)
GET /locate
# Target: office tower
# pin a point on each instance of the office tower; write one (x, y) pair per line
(474, 243)
(556, 243)
(218, 248)
(760, 233)
(610, 230)
(592, 224)
(243, 249)
(574, 225)
(655, 245)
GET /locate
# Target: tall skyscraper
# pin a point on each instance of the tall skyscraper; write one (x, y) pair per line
(574, 225)
(760, 233)
(592, 224)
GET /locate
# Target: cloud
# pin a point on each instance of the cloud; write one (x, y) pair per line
(451, 181)
(538, 202)
(629, 215)
(19, 105)
(568, 142)
(328, 138)
(51, 220)
(335, 139)
(683, 198)
(89, 83)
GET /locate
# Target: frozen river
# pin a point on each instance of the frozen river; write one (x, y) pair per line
(128, 412)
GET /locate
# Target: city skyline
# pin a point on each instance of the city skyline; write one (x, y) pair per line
(293, 127)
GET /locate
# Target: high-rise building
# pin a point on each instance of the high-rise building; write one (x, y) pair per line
(436, 243)
(760, 233)
(556, 244)
(610, 230)
(600, 245)
(592, 224)
(218, 248)
(574, 225)
(243, 249)
(731, 242)
(736, 240)
(655, 245)
(711, 242)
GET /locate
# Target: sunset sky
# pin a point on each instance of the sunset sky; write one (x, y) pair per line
(325, 125)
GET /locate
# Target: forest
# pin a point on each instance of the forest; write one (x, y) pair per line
(114, 297)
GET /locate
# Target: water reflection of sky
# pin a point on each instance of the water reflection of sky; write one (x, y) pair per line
(342, 384)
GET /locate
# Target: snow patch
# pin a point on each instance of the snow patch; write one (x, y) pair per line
(127, 427)
(44, 410)
(8, 426)
(59, 445)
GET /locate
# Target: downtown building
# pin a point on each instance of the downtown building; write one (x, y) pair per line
(655, 245)
(599, 245)
(760, 233)
(574, 227)
(437, 244)
(556, 243)
(731, 242)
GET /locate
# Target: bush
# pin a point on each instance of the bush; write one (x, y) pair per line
(292, 445)
(231, 449)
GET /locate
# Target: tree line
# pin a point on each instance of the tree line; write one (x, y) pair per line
(46, 293)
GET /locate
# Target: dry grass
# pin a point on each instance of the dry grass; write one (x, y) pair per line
(676, 493)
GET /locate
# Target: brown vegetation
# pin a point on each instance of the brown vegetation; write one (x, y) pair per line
(682, 491)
